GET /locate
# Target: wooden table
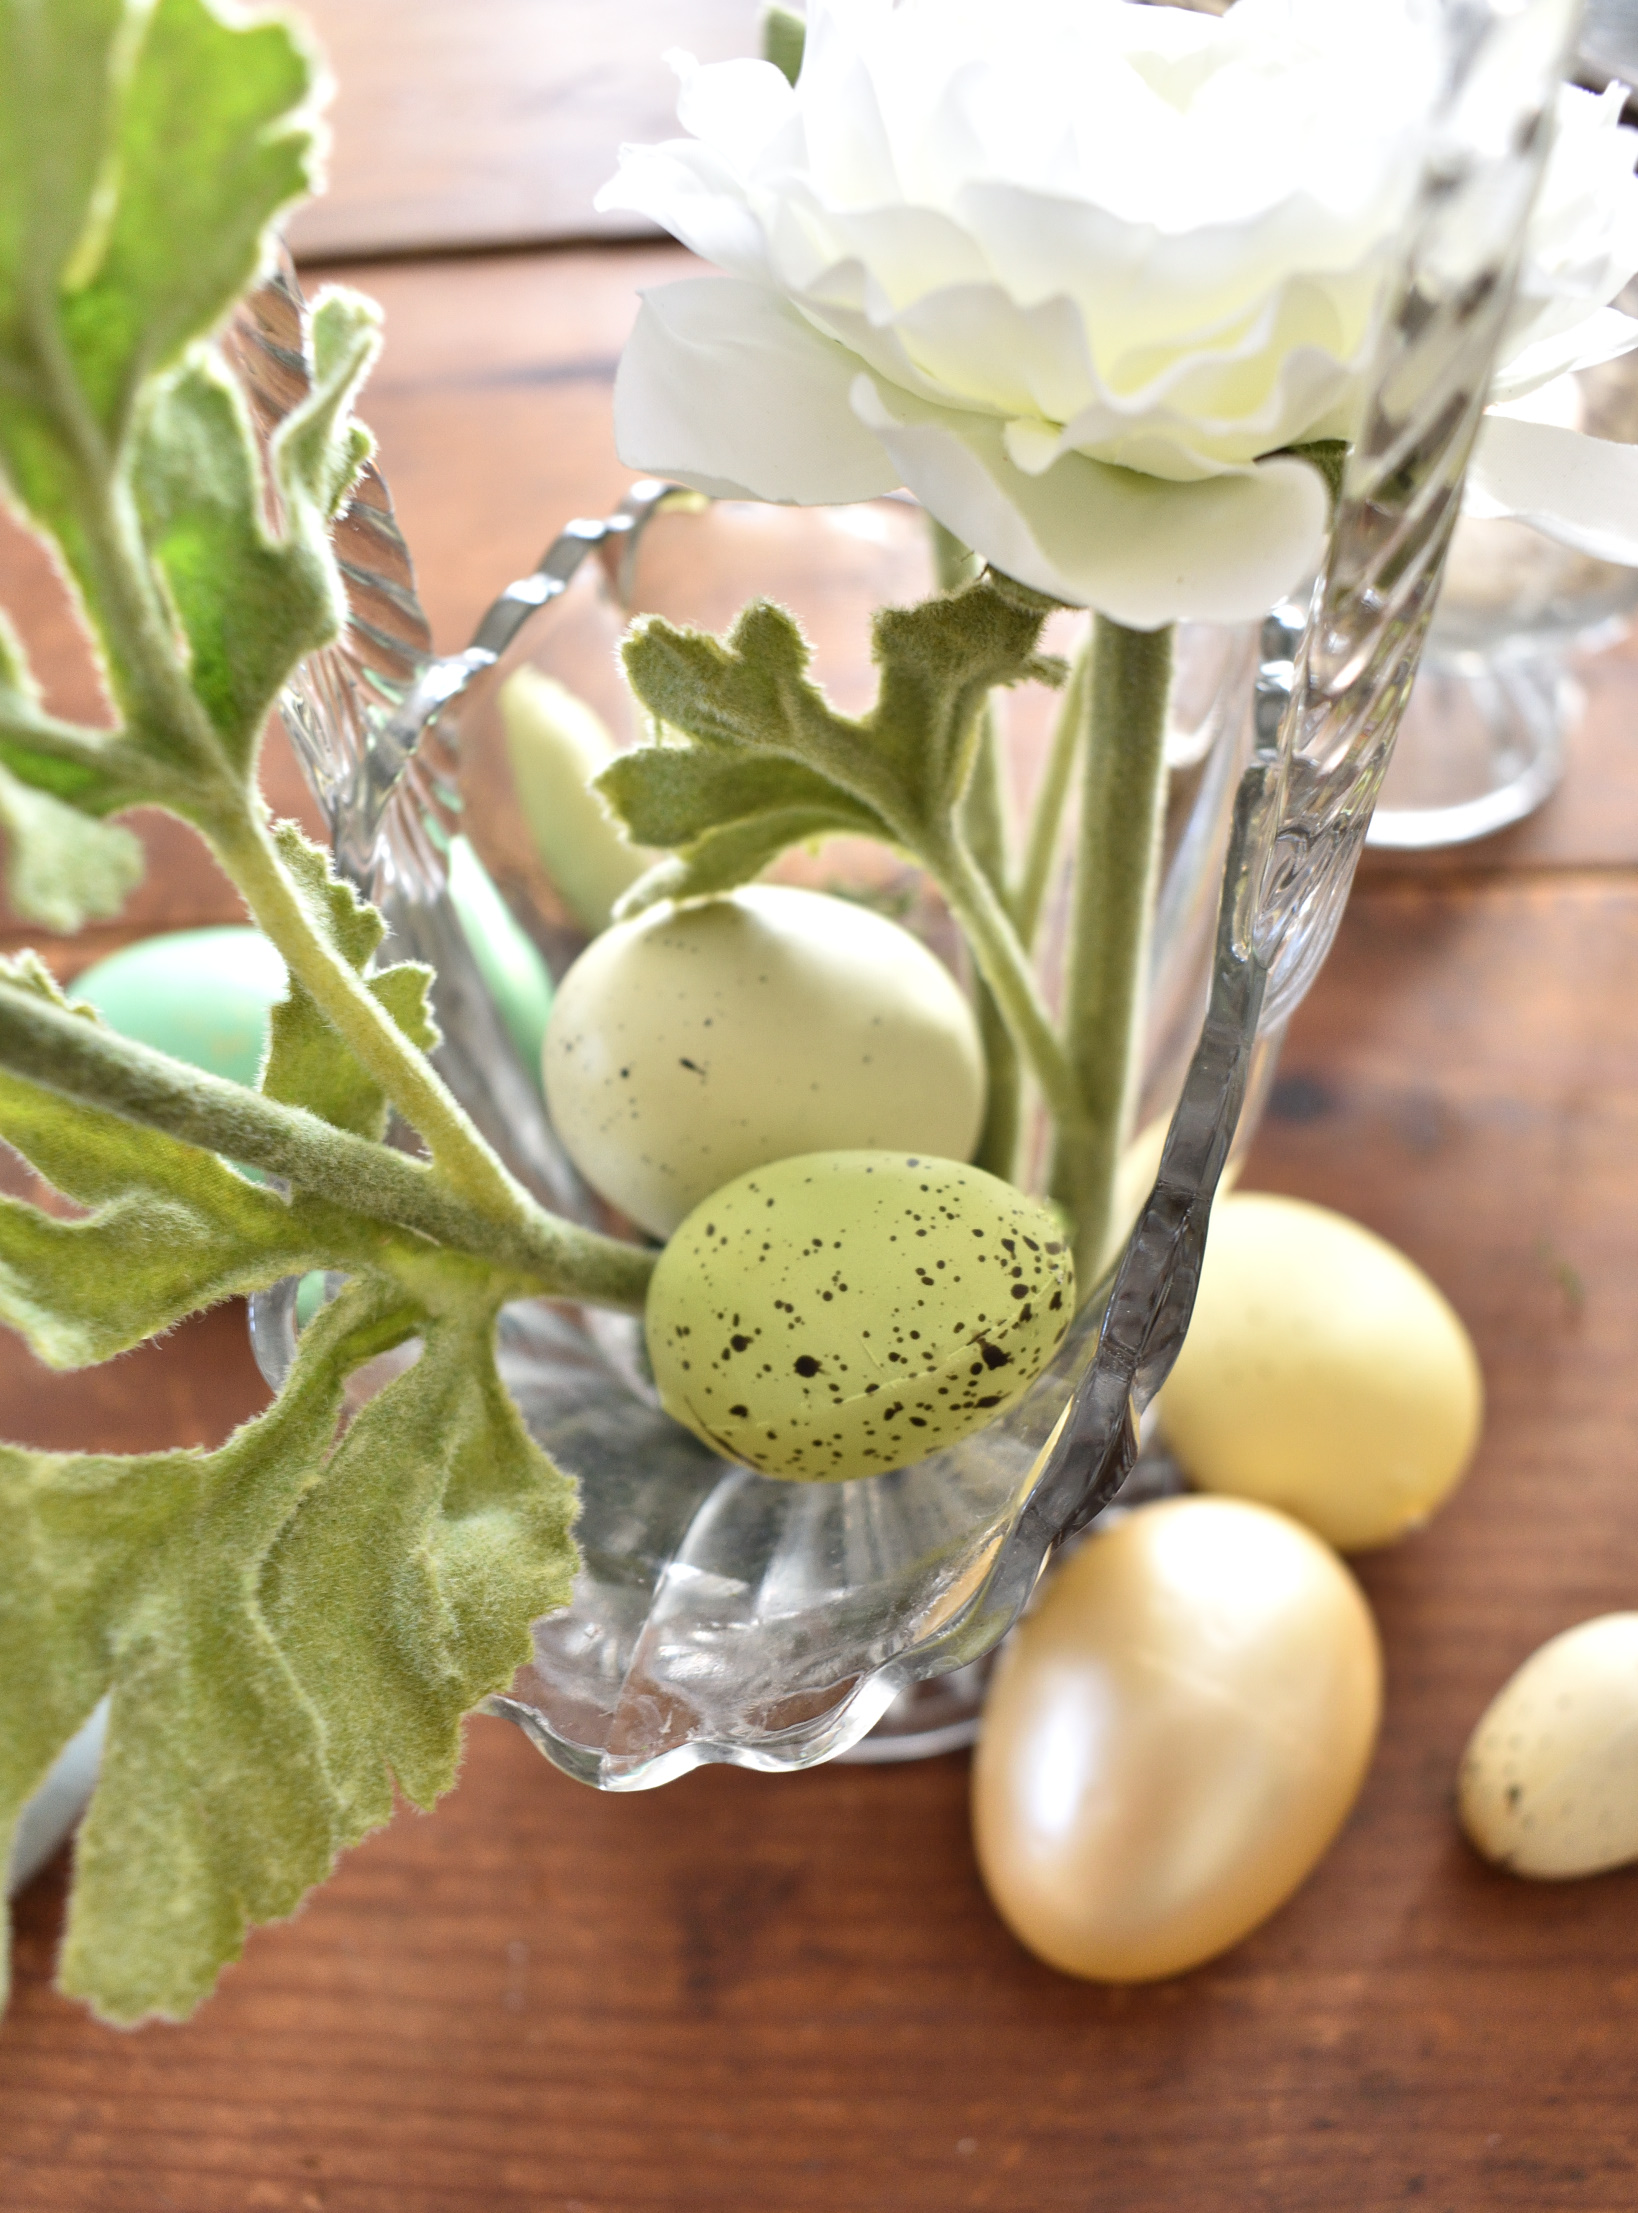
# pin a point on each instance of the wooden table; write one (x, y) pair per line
(790, 1994)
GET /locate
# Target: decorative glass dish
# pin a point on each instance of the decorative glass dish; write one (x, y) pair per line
(720, 1616)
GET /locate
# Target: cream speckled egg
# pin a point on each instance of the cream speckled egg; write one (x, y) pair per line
(1549, 1781)
(1175, 1733)
(1322, 1373)
(841, 1314)
(694, 1043)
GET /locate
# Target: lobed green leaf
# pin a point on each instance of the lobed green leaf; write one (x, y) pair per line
(308, 1063)
(215, 137)
(171, 1229)
(286, 1626)
(64, 868)
(769, 762)
(401, 1589)
(249, 605)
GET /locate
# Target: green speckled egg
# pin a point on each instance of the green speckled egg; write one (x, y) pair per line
(840, 1314)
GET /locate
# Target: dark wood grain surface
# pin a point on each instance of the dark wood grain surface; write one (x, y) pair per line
(789, 1994)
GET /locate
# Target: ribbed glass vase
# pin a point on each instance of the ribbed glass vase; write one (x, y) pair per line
(720, 1616)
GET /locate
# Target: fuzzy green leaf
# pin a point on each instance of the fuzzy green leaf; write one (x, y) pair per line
(250, 605)
(143, 155)
(725, 815)
(142, 1576)
(734, 853)
(171, 1229)
(66, 763)
(402, 1590)
(771, 763)
(19, 693)
(308, 1064)
(318, 449)
(64, 869)
(215, 138)
(285, 1627)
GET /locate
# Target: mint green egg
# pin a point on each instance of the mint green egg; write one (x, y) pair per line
(841, 1314)
(203, 996)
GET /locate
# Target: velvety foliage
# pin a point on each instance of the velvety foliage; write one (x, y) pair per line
(766, 762)
(290, 1627)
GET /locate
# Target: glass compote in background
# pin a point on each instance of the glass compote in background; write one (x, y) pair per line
(1483, 740)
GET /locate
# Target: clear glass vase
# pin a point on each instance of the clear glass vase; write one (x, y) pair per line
(720, 1616)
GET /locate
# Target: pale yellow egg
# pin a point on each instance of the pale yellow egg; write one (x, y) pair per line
(1323, 1374)
(1549, 1781)
(1175, 1734)
(696, 1042)
(556, 745)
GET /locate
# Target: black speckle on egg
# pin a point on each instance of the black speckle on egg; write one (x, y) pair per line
(806, 1364)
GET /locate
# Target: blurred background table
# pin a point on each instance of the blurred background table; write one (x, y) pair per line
(790, 1994)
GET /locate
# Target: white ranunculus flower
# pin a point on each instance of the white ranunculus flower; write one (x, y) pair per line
(1073, 271)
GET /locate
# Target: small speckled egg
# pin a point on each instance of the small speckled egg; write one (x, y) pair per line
(1174, 1735)
(696, 1042)
(1549, 1781)
(203, 996)
(845, 1313)
(1323, 1374)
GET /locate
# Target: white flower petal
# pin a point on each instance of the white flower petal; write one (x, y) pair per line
(1139, 549)
(737, 107)
(1602, 336)
(686, 189)
(1582, 491)
(725, 387)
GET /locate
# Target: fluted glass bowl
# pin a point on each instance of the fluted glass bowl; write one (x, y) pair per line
(720, 1616)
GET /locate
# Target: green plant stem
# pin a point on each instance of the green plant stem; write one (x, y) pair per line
(985, 822)
(153, 685)
(1046, 818)
(993, 942)
(87, 1062)
(399, 1067)
(1123, 785)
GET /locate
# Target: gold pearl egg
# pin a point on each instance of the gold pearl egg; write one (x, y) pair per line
(1175, 1734)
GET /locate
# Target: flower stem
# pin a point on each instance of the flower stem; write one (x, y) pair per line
(1046, 818)
(984, 818)
(1123, 785)
(993, 942)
